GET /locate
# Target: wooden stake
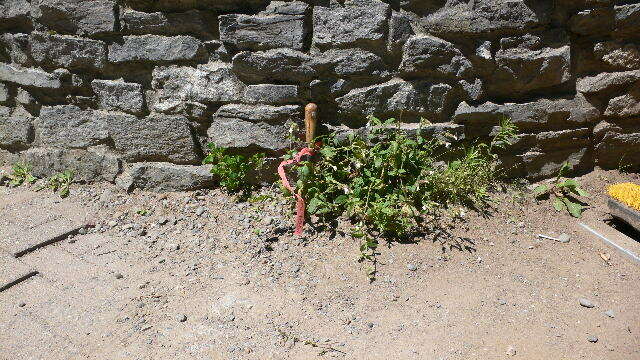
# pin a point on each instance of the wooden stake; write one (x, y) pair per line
(310, 123)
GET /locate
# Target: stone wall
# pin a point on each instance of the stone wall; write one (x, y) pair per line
(130, 91)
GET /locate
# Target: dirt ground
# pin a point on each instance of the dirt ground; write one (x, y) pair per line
(199, 276)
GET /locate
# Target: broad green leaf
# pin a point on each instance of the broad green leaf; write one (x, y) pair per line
(559, 205)
(541, 189)
(574, 208)
(581, 192)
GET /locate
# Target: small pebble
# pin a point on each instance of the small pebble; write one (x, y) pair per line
(502, 302)
(118, 276)
(22, 304)
(592, 339)
(181, 317)
(412, 267)
(200, 211)
(511, 351)
(564, 238)
(610, 314)
(586, 303)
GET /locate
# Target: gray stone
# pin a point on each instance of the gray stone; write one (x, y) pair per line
(217, 51)
(426, 55)
(27, 101)
(564, 238)
(625, 105)
(271, 94)
(166, 177)
(68, 51)
(400, 30)
(158, 23)
(592, 21)
(4, 93)
(605, 83)
(474, 91)
(621, 56)
(287, 8)
(210, 83)
(351, 63)
(532, 116)
(91, 165)
(261, 113)
(412, 267)
(586, 303)
(200, 211)
(189, 109)
(15, 14)
(610, 314)
(263, 31)
(520, 70)
(157, 137)
(68, 126)
(16, 130)
(83, 17)
(397, 98)
(156, 48)
(17, 48)
(592, 339)
(459, 18)
(119, 96)
(627, 20)
(616, 146)
(183, 5)
(118, 275)
(277, 64)
(30, 77)
(181, 317)
(359, 23)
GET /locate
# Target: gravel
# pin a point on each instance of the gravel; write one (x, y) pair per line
(592, 339)
(586, 303)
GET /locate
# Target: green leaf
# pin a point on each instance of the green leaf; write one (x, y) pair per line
(574, 208)
(541, 189)
(581, 192)
(559, 205)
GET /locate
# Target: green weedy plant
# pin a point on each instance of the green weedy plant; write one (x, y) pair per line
(232, 170)
(564, 192)
(60, 183)
(388, 181)
(21, 173)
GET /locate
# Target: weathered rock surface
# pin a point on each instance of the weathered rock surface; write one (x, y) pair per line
(210, 83)
(162, 177)
(62, 51)
(156, 48)
(30, 77)
(605, 83)
(189, 109)
(261, 127)
(627, 20)
(625, 105)
(398, 98)
(351, 63)
(93, 164)
(15, 14)
(17, 48)
(157, 137)
(68, 126)
(277, 64)
(16, 130)
(81, 17)
(267, 30)
(430, 56)
(158, 23)
(619, 55)
(617, 145)
(460, 18)
(359, 23)
(592, 21)
(4, 94)
(119, 96)
(271, 94)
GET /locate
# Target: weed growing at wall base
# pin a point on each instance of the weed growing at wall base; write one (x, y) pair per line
(232, 170)
(387, 181)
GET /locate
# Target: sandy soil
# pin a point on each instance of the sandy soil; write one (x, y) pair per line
(204, 277)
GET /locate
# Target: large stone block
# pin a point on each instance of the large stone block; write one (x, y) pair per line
(14, 14)
(119, 96)
(607, 83)
(184, 5)
(618, 55)
(625, 105)
(351, 63)
(17, 48)
(163, 177)
(616, 145)
(521, 70)
(55, 51)
(271, 94)
(359, 23)
(156, 48)
(30, 77)
(83, 17)
(284, 65)
(93, 164)
(427, 55)
(264, 31)
(16, 130)
(69, 127)
(400, 30)
(400, 99)
(158, 23)
(460, 18)
(627, 20)
(157, 137)
(541, 115)
(260, 127)
(210, 83)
